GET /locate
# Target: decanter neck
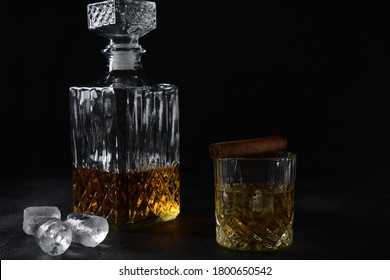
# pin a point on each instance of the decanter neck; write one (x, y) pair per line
(124, 54)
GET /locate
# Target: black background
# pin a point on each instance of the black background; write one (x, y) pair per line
(316, 74)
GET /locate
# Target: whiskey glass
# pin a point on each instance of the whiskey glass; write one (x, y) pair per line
(254, 201)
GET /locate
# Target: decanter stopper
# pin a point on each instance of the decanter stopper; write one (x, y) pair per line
(122, 18)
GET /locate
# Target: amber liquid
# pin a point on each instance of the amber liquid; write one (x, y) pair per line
(251, 217)
(128, 199)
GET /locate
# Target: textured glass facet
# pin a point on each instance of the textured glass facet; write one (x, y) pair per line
(125, 129)
(122, 17)
(101, 14)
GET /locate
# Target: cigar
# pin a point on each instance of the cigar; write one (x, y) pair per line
(247, 147)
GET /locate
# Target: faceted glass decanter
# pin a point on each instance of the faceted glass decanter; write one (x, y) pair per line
(124, 129)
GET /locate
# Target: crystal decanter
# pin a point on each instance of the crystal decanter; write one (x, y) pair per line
(125, 129)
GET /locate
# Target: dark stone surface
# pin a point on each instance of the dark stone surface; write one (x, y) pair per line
(338, 216)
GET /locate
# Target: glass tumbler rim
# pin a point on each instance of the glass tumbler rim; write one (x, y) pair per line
(268, 156)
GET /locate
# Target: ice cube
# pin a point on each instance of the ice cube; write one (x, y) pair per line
(34, 216)
(88, 230)
(54, 236)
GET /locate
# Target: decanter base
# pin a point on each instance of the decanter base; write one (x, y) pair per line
(141, 224)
